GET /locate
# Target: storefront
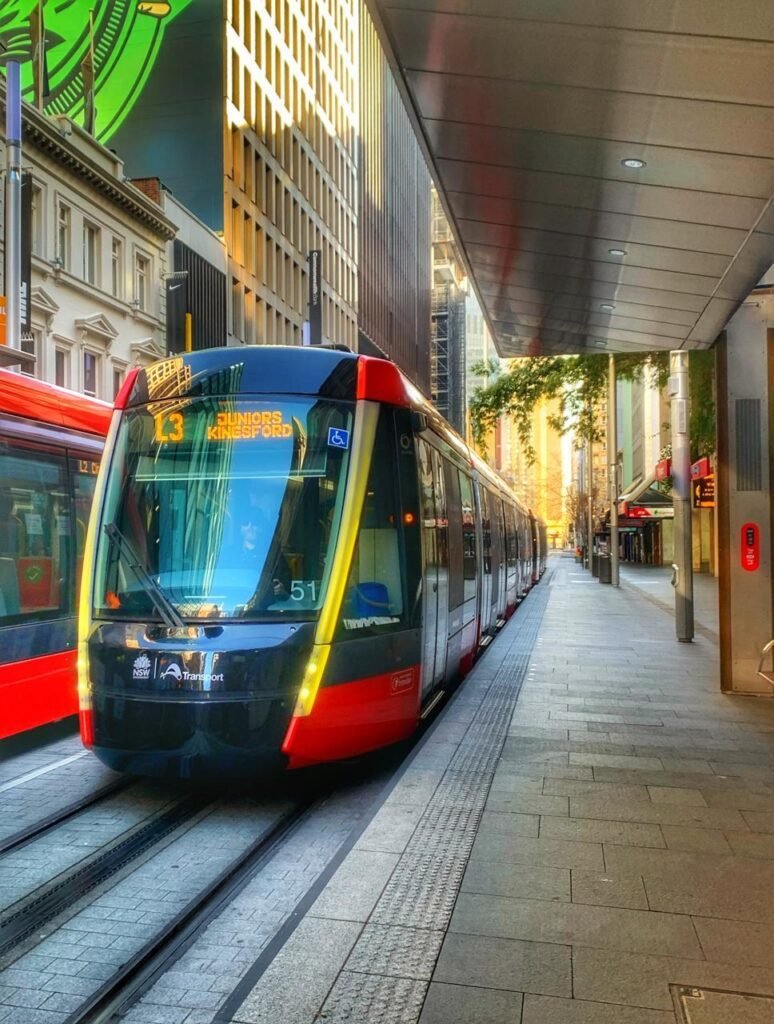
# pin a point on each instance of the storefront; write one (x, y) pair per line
(645, 515)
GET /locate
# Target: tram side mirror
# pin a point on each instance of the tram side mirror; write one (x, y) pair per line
(418, 421)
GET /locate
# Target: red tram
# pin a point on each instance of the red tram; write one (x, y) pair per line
(293, 555)
(50, 445)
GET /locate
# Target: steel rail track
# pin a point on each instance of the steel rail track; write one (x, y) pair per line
(131, 980)
(33, 912)
(37, 828)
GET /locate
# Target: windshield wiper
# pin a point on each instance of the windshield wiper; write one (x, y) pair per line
(167, 611)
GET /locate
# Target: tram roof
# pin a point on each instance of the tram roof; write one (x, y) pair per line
(607, 165)
(46, 403)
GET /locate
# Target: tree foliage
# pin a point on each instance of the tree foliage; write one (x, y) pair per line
(577, 383)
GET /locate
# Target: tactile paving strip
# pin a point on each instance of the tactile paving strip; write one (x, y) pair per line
(400, 943)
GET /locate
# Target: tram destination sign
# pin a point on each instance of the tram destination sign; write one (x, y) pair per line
(703, 492)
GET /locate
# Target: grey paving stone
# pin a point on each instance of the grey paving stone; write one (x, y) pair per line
(545, 1010)
(735, 941)
(604, 890)
(458, 1004)
(591, 830)
(677, 796)
(518, 880)
(505, 964)
(391, 829)
(695, 840)
(353, 891)
(526, 803)
(294, 986)
(509, 824)
(573, 923)
(657, 813)
(369, 997)
(751, 844)
(549, 852)
(632, 979)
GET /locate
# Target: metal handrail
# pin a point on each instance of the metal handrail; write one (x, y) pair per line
(766, 651)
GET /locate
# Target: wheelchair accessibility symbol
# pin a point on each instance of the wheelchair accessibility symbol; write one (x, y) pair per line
(338, 438)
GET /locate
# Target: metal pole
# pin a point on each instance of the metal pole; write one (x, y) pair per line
(13, 203)
(612, 455)
(590, 486)
(681, 496)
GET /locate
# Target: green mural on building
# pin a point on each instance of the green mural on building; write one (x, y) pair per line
(127, 41)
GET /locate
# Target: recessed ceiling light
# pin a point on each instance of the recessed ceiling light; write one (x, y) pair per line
(600, 343)
(617, 252)
(607, 306)
(633, 163)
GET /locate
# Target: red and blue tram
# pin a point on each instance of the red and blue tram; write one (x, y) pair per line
(291, 554)
(50, 445)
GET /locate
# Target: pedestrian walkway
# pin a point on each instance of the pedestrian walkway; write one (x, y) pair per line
(595, 848)
(655, 582)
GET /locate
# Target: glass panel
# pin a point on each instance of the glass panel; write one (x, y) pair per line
(89, 373)
(231, 506)
(84, 477)
(61, 368)
(35, 535)
(374, 600)
(468, 537)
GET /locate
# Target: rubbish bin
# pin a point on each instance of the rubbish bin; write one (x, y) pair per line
(595, 564)
(604, 569)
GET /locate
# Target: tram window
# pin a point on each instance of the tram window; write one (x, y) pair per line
(468, 537)
(35, 536)
(374, 598)
(454, 528)
(513, 541)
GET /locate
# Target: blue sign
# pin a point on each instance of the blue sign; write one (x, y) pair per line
(338, 438)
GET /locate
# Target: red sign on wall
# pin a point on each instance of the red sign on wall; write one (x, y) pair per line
(701, 468)
(750, 547)
(663, 469)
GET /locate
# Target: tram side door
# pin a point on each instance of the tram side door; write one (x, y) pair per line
(434, 560)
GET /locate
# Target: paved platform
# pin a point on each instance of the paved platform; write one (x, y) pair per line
(585, 837)
(654, 582)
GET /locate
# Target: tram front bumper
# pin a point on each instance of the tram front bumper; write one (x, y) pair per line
(213, 739)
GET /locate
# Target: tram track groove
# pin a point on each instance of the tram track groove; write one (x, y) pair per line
(126, 986)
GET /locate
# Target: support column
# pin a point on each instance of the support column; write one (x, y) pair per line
(590, 487)
(745, 385)
(681, 495)
(612, 471)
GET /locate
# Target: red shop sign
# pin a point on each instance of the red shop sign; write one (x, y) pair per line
(750, 547)
(663, 469)
(701, 468)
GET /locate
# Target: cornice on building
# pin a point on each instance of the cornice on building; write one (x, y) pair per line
(67, 143)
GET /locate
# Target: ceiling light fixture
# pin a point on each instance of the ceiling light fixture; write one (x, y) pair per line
(607, 306)
(633, 163)
(617, 252)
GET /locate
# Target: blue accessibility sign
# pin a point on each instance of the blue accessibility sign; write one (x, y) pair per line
(338, 438)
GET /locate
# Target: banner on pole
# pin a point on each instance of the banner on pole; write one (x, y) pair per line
(315, 297)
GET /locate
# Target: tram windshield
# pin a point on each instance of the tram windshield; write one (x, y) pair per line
(222, 508)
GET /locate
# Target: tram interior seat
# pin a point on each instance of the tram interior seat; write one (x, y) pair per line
(9, 587)
(371, 598)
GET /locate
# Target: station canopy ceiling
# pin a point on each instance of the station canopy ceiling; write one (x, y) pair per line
(530, 110)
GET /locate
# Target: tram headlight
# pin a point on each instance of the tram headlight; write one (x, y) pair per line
(310, 684)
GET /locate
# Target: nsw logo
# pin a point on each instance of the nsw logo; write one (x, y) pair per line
(142, 667)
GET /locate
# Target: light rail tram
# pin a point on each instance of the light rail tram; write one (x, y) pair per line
(290, 556)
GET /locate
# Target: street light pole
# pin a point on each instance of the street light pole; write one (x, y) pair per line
(681, 496)
(612, 472)
(13, 179)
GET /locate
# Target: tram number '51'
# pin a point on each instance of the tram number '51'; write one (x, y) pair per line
(298, 590)
(169, 427)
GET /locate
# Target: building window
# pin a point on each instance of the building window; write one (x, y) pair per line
(29, 344)
(63, 217)
(141, 281)
(90, 363)
(37, 220)
(116, 268)
(118, 380)
(90, 253)
(61, 368)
